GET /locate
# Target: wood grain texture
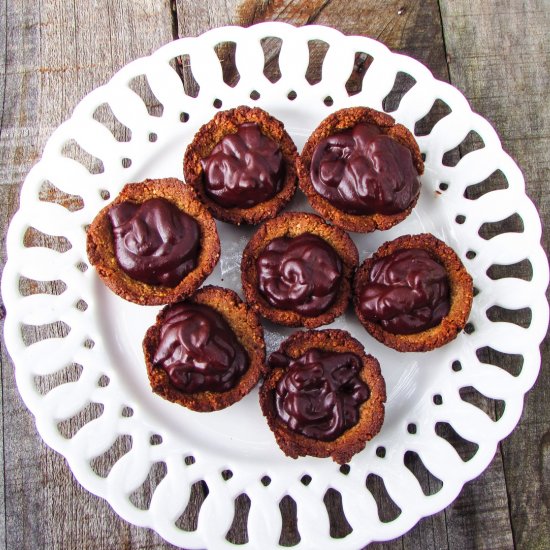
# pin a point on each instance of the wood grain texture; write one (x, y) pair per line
(500, 59)
(54, 53)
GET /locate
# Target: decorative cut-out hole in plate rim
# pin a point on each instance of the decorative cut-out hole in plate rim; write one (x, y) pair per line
(104, 339)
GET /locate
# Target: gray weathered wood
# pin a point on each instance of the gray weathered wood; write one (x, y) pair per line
(54, 56)
(500, 59)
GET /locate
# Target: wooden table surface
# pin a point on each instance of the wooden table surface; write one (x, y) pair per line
(55, 51)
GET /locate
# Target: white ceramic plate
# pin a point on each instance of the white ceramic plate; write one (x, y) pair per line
(105, 337)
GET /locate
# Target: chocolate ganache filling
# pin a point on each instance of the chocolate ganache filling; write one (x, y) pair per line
(198, 350)
(301, 274)
(364, 171)
(244, 169)
(407, 292)
(320, 393)
(155, 242)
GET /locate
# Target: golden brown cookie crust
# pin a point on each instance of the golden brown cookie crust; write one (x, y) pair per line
(292, 224)
(101, 252)
(461, 290)
(249, 332)
(337, 122)
(209, 135)
(371, 413)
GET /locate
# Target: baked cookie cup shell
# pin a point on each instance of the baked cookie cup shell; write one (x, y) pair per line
(209, 135)
(371, 412)
(293, 224)
(337, 122)
(460, 287)
(101, 250)
(249, 332)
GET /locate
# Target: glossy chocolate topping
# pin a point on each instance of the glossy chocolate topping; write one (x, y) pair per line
(407, 292)
(199, 351)
(244, 169)
(155, 242)
(320, 393)
(363, 171)
(300, 274)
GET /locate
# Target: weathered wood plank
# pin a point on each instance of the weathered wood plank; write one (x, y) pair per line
(4, 220)
(479, 517)
(55, 56)
(5, 216)
(194, 18)
(500, 57)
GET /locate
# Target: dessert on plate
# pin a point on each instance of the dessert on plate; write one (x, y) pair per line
(360, 170)
(414, 294)
(323, 395)
(206, 352)
(297, 270)
(242, 165)
(155, 243)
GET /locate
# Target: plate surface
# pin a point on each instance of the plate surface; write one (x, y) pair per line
(105, 388)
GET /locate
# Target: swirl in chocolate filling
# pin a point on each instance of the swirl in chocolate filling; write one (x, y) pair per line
(301, 274)
(364, 171)
(320, 392)
(244, 169)
(155, 242)
(198, 350)
(407, 292)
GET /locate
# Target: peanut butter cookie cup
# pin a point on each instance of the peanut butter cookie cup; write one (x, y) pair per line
(242, 165)
(323, 396)
(360, 170)
(414, 294)
(155, 243)
(205, 353)
(297, 270)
